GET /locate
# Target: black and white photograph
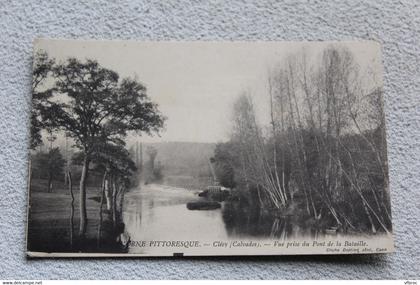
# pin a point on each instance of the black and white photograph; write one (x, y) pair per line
(207, 148)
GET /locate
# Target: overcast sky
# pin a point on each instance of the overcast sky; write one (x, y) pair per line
(196, 83)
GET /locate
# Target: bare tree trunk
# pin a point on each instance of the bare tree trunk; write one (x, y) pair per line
(284, 183)
(82, 197)
(114, 202)
(259, 197)
(373, 228)
(273, 125)
(359, 192)
(98, 243)
(355, 181)
(298, 144)
(49, 182)
(70, 183)
(107, 189)
(122, 194)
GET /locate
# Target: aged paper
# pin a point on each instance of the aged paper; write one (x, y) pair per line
(207, 148)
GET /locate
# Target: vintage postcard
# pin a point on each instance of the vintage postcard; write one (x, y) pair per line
(207, 148)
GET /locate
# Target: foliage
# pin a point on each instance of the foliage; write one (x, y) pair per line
(50, 164)
(224, 168)
(97, 110)
(42, 68)
(98, 107)
(153, 171)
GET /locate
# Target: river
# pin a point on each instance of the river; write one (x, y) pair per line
(157, 212)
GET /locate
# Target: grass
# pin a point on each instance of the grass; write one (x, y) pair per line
(49, 220)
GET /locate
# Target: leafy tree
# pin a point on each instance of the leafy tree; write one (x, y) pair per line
(224, 160)
(115, 162)
(98, 108)
(158, 172)
(152, 153)
(152, 174)
(42, 68)
(51, 164)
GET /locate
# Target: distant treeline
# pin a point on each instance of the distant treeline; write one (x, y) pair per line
(323, 155)
(178, 164)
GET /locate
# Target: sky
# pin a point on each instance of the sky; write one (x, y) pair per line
(196, 83)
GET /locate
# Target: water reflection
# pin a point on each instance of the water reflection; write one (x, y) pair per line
(158, 212)
(247, 221)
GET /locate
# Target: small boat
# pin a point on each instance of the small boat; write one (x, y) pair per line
(216, 189)
(203, 205)
(331, 231)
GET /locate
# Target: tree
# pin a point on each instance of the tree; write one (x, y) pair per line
(224, 160)
(117, 167)
(158, 172)
(114, 163)
(152, 153)
(42, 68)
(256, 170)
(98, 108)
(51, 164)
(324, 151)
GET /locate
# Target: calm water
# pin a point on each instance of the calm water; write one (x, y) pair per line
(157, 212)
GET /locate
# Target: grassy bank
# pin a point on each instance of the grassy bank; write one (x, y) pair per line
(49, 221)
